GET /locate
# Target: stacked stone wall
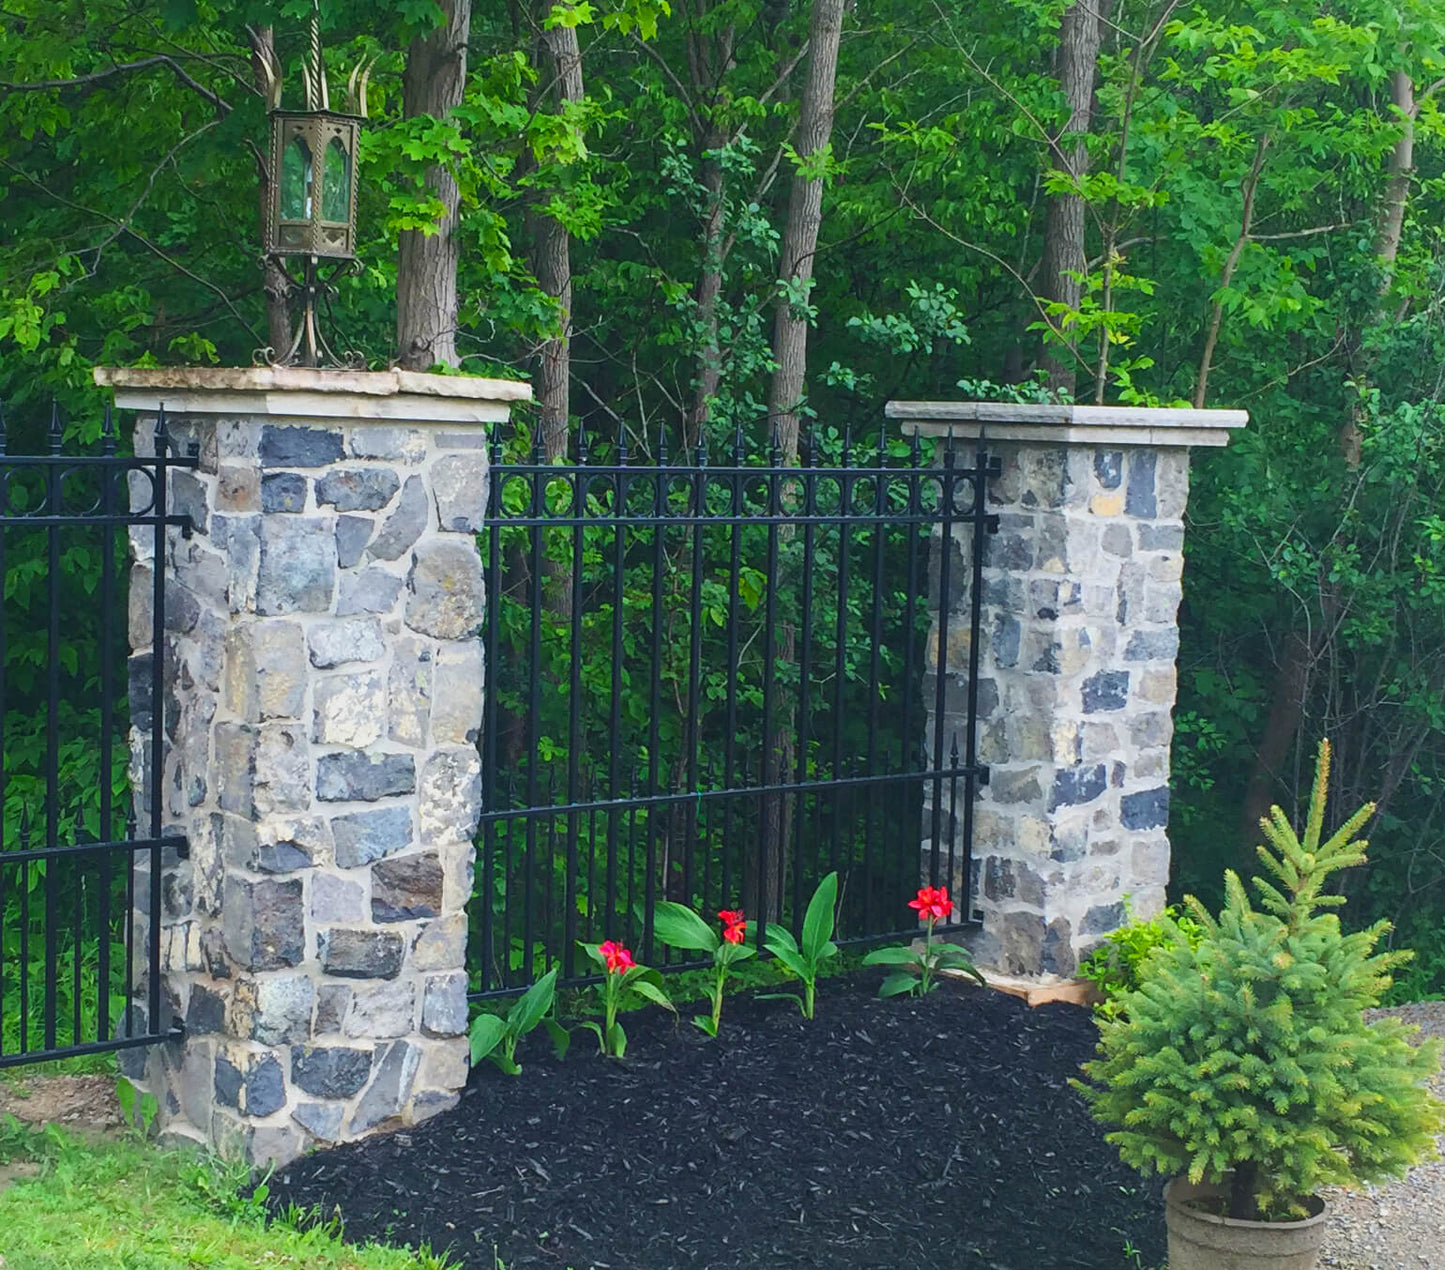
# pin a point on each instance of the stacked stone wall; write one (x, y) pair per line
(324, 691)
(1081, 586)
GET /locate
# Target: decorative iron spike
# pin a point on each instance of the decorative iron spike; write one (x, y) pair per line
(662, 444)
(916, 448)
(4, 436)
(702, 456)
(847, 443)
(622, 446)
(738, 446)
(581, 444)
(107, 431)
(776, 446)
(496, 441)
(57, 431)
(807, 444)
(539, 452)
(163, 440)
(25, 827)
(953, 754)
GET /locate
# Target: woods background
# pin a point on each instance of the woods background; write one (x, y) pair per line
(775, 216)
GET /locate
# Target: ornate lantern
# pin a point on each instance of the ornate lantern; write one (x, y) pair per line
(311, 213)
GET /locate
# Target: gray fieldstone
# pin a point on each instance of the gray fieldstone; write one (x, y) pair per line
(1108, 690)
(263, 923)
(321, 1120)
(459, 484)
(1160, 645)
(363, 777)
(1161, 537)
(364, 836)
(256, 1088)
(1077, 785)
(456, 717)
(298, 565)
(441, 944)
(446, 591)
(1139, 497)
(373, 590)
(349, 953)
(353, 489)
(234, 746)
(181, 609)
(389, 1089)
(349, 709)
(299, 447)
(383, 1012)
(281, 774)
(334, 643)
(406, 887)
(330, 1071)
(336, 900)
(444, 1005)
(1148, 809)
(352, 535)
(1020, 786)
(450, 796)
(238, 488)
(409, 692)
(1103, 918)
(1056, 954)
(190, 497)
(368, 441)
(405, 525)
(1116, 540)
(278, 661)
(294, 843)
(282, 1010)
(205, 1012)
(283, 492)
(240, 538)
(1109, 468)
(333, 1000)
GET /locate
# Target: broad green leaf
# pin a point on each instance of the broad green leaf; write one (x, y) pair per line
(646, 988)
(617, 1041)
(793, 961)
(561, 1037)
(896, 985)
(679, 926)
(535, 1003)
(779, 937)
(818, 920)
(896, 956)
(487, 1033)
(783, 996)
(704, 1021)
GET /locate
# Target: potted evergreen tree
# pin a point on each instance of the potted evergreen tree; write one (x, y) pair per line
(1242, 1066)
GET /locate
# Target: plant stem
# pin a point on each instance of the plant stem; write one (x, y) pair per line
(807, 1000)
(926, 967)
(717, 997)
(1243, 1203)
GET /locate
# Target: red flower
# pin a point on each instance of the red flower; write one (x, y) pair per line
(932, 903)
(616, 957)
(734, 926)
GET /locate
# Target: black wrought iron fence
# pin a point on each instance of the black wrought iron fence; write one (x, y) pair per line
(710, 682)
(72, 964)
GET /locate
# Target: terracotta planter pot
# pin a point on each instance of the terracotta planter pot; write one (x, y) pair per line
(1198, 1240)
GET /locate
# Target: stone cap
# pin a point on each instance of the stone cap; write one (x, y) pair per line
(1083, 425)
(306, 392)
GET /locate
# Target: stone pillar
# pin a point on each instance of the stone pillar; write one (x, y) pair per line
(1081, 587)
(323, 700)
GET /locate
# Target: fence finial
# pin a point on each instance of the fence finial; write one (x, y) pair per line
(847, 443)
(107, 431)
(662, 443)
(57, 431)
(4, 436)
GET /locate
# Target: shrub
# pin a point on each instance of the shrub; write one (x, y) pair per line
(1244, 1059)
(1113, 967)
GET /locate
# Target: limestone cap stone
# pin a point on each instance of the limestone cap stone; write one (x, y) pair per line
(1072, 424)
(300, 392)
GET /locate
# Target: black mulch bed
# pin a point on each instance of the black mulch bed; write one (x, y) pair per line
(892, 1134)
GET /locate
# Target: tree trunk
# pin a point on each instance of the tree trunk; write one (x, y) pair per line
(274, 281)
(1287, 703)
(1401, 172)
(426, 278)
(551, 253)
(1065, 260)
(785, 398)
(709, 291)
(800, 236)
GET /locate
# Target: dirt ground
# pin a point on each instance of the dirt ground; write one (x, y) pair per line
(84, 1103)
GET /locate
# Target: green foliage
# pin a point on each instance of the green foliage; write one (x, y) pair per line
(806, 960)
(495, 1036)
(1244, 1057)
(1114, 967)
(681, 927)
(641, 981)
(919, 966)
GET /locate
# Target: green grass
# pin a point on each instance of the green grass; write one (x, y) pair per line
(125, 1205)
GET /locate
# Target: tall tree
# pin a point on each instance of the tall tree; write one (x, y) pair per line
(433, 83)
(1065, 259)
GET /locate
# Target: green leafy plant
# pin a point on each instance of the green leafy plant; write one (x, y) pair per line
(806, 959)
(922, 964)
(620, 975)
(1243, 1060)
(678, 925)
(1113, 967)
(495, 1036)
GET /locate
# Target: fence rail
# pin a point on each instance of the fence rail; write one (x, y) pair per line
(706, 682)
(72, 963)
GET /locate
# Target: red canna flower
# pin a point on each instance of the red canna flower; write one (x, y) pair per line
(932, 903)
(731, 916)
(616, 957)
(735, 933)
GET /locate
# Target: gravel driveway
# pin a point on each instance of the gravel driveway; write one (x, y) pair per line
(1399, 1226)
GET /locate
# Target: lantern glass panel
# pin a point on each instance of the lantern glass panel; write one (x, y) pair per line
(336, 183)
(296, 181)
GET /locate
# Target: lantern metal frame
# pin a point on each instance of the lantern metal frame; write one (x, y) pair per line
(314, 239)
